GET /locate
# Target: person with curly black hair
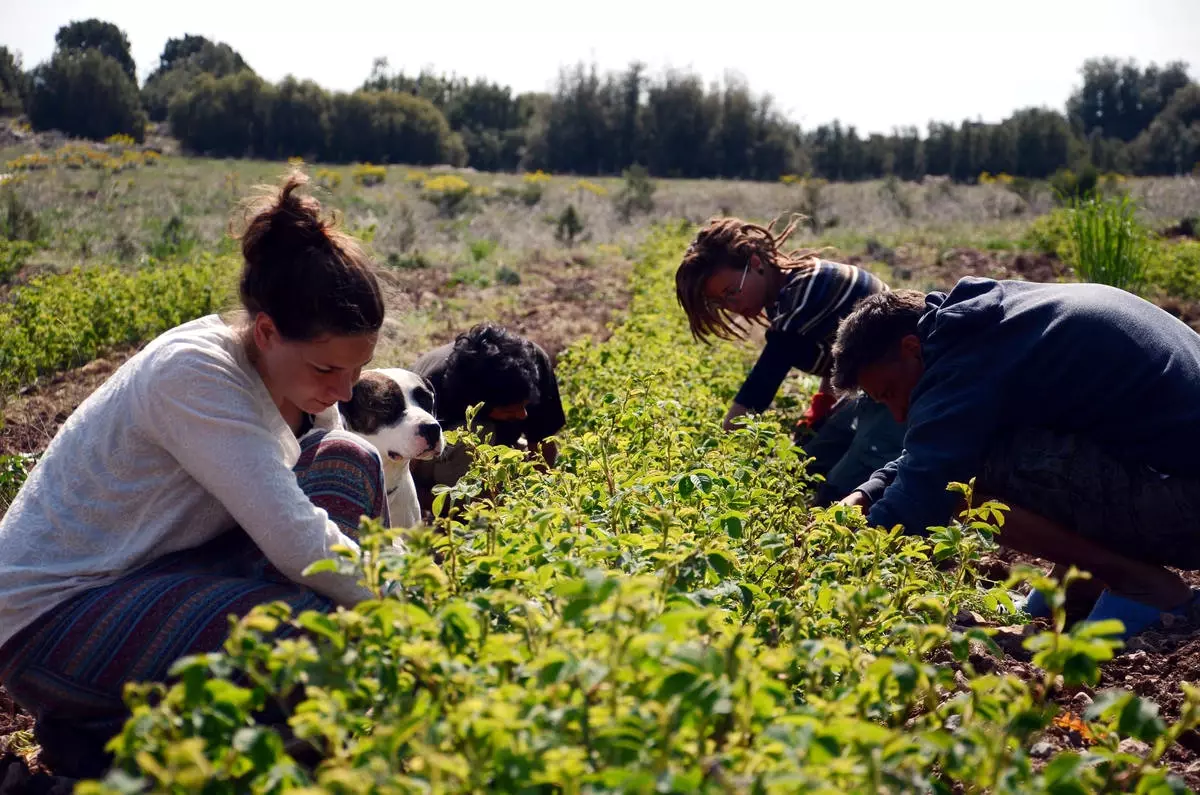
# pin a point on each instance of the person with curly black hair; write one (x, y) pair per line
(511, 376)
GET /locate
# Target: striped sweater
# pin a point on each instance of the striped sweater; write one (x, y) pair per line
(803, 324)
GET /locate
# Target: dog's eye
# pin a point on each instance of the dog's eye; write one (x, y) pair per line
(423, 398)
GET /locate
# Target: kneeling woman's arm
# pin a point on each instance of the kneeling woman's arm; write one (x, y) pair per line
(219, 429)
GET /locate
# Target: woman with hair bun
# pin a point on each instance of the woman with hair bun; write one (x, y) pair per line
(199, 481)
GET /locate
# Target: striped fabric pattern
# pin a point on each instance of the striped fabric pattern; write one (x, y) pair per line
(70, 666)
(816, 298)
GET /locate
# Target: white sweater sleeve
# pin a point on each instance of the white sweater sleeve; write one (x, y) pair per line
(211, 422)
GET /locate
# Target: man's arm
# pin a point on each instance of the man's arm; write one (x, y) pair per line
(952, 423)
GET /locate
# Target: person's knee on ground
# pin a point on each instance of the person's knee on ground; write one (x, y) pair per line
(343, 474)
(1072, 503)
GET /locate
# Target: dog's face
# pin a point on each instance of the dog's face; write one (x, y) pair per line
(393, 409)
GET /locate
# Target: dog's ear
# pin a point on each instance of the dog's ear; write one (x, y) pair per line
(360, 411)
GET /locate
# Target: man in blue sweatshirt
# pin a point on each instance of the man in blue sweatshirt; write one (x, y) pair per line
(1077, 405)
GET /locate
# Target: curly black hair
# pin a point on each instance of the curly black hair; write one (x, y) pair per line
(494, 366)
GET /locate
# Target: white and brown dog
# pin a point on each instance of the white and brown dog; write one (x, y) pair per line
(393, 410)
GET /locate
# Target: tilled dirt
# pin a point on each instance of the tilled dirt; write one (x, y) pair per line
(1152, 665)
(911, 266)
(941, 271)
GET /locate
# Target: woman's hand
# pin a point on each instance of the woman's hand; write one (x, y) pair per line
(856, 498)
(735, 411)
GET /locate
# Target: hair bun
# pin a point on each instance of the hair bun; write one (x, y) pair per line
(309, 276)
(286, 222)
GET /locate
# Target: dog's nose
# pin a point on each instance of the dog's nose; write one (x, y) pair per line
(430, 432)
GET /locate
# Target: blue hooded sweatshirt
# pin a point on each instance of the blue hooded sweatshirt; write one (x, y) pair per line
(1080, 359)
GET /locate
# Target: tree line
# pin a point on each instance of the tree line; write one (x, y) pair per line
(1122, 117)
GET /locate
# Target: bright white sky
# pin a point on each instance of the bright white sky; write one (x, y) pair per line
(872, 63)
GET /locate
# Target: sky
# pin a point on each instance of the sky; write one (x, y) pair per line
(875, 64)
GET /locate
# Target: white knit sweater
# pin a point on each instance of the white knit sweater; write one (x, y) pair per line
(182, 443)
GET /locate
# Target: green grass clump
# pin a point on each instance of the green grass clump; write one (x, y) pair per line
(1106, 244)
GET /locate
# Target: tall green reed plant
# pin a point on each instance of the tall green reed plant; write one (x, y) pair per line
(1107, 243)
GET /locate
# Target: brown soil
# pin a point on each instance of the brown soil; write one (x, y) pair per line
(920, 269)
(1152, 665)
(909, 265)
(33, 417)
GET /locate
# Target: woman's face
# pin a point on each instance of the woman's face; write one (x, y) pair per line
(742, 291)
(314, 374)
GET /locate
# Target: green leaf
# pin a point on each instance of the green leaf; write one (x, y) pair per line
(324, 566)
(721, 562)
(1062, 775)
(1140, 720)
(675, 683)
(323, 625)
(732, 525)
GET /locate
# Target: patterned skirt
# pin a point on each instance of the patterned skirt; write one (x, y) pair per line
(68, 668)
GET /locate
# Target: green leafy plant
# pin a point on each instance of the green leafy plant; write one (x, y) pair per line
(18, 221)
(506, 275)
(14, 469)
(1050, 234)
(1174, 268)
(408, 262)
(63, 320)
(473, 275)
(568, 225)
(13, 256)
(1107, 243)
(1069, 186)
(174, 242)
(481, 249)
(636, 195)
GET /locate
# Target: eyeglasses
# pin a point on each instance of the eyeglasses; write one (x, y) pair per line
(729, 293)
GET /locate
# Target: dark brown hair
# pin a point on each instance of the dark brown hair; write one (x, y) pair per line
(729, 243)
(311, 278)
(872, 332)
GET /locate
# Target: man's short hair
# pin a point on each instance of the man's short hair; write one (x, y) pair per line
(492, 365)
(872, 332)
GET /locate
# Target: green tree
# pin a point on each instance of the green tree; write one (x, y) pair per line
(223, 116)
(1043, 142)
(95, 34)
(488, 117)
(387, 127)
(942, 149)
(299, 119)
(1171, 144)
(680, 123)
(182, 60)
(85, 93)
(1120, 99)
(14, 86)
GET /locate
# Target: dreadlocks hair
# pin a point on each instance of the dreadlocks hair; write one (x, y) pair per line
(729, 243)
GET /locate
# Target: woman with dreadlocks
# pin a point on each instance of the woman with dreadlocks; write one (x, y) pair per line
(736, 272)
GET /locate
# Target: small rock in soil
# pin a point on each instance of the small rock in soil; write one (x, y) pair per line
(1042, 750)
(1134, 747)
